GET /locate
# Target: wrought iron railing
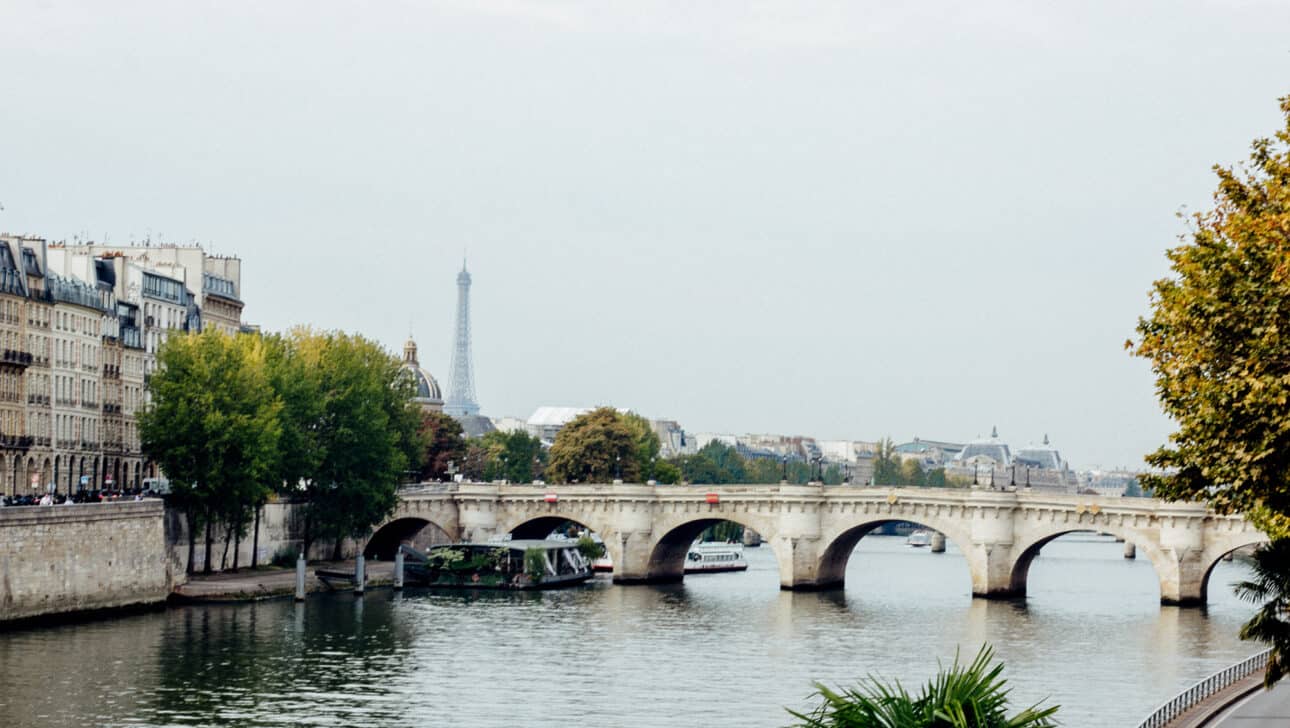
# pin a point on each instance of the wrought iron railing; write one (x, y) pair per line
(1189, 698)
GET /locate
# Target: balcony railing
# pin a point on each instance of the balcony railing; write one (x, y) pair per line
(111, 409)
(16, 442)
(111, 371)
(15, 357)
(42, 399)
(89, 405)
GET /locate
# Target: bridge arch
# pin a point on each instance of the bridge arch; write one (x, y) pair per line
(1025, 552)
(1217, 551)
(410, 530)
(830, 572)
(675, 533)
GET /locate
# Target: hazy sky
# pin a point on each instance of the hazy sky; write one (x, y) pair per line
(844, 219)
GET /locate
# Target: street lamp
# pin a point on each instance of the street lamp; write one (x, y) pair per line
(784, 458)
(618, 467)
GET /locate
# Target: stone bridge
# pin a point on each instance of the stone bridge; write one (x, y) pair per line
(813, 529)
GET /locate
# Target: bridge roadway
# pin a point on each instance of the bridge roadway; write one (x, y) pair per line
(813, 528)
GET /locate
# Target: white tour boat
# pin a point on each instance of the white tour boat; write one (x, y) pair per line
(712, 557)
(919, 538)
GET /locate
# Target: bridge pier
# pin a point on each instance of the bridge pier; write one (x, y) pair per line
(1182, 579)
(938, 542)
(1181, 568)
(800, 567)
(634, 562)
(990, 557)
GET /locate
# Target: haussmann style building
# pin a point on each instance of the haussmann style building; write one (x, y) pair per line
(80, 325)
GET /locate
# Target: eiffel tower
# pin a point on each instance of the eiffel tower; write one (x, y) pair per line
(461, 386)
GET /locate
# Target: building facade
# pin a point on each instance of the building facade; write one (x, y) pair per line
(80, 326)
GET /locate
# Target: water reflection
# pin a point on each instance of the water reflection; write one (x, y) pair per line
(722, 648)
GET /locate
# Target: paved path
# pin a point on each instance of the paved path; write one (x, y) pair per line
(1262, 709)
(272, 582)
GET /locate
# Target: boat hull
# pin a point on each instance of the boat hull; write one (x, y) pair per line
(716, 569)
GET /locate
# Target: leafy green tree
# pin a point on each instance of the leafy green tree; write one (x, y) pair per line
(886, 464)
(714, 464)
(963, 696)
(367, 436)
(445, 446)
(1270, 590)
(911, 473)
(647, 444)
(595, 446)
(1218, 341)
(667, 472)
(514, 456)
(213, 426)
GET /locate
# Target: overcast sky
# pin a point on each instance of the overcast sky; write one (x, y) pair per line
(845, 220)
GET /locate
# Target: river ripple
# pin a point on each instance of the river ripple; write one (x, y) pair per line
(727, 649)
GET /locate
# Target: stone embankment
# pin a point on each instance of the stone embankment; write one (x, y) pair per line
(69, 561)
(62, 560)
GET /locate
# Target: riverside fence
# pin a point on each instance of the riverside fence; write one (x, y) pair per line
(1189, 698)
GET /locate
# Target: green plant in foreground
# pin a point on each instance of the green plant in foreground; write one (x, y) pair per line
(1270, 589)
(963, 696)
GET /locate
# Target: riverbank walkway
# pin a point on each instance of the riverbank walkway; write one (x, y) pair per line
(1260, 709)
(272, 582)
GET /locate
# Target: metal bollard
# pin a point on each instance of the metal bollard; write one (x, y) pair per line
(1130, 551)
(398, 569)
(300, 577)
(938, 542)
(359, 574)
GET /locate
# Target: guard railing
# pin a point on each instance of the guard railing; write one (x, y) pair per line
(1189, 698)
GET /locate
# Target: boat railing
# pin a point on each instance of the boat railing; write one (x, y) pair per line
(1189, 698)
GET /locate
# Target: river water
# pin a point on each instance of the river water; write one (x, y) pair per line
(720, 649)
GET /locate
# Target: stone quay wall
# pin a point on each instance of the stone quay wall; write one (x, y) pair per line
(79, 558)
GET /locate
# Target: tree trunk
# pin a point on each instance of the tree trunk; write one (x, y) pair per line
(228, 536)
(335, 552)
(192, 540)
(237, 545)
(206, 568)
(255, 540)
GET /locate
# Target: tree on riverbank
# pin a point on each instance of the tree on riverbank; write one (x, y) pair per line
(214, 428)
(963, 696)
(1218, 341)
(323, 417)
(367, 436)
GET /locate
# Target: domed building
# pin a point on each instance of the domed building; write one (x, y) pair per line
(989, 451)
(1043, 456)
(428, 394)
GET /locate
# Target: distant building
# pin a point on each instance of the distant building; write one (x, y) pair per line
(546, 422)
(990, 462)
(928, 453)
(427, 396)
